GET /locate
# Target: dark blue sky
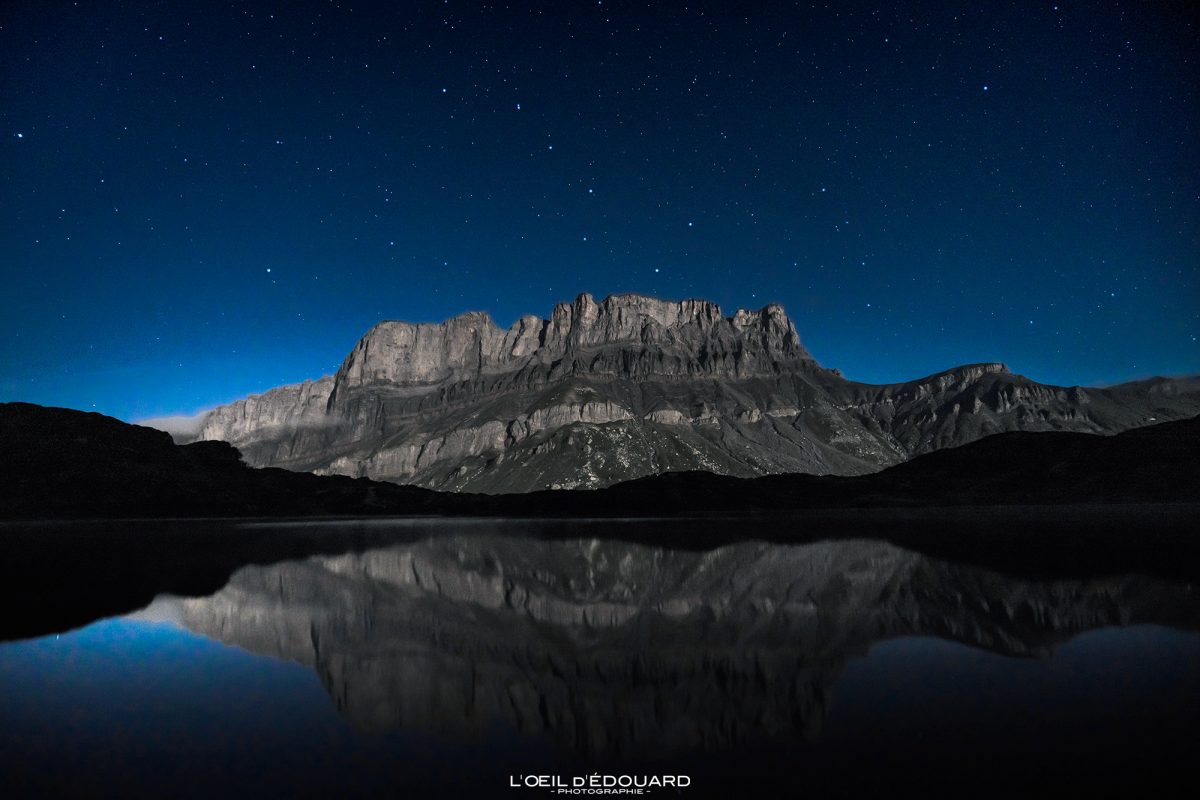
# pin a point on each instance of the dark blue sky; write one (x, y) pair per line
(197, 203)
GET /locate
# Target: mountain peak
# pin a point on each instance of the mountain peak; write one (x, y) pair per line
(471, 344)
(632, 385)
(968, 372)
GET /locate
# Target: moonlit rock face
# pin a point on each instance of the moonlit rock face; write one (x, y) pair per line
(403, 353)
(288, 408)
(602, 392)
(407, 354)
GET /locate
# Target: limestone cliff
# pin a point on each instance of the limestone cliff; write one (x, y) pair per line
(604, 392)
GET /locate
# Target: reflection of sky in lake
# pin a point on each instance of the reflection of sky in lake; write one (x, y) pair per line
(155, 709)
(1097, 682)
(132, 706)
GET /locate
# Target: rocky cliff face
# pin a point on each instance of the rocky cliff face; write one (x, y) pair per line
(615, 649)
(605, 392)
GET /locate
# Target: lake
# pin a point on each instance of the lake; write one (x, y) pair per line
(420, 657)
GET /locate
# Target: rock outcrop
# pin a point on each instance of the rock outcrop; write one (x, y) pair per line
(605, 392)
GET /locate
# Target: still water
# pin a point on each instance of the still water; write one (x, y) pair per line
(461, 661)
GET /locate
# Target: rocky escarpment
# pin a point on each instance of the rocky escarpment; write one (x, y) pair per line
(615, 649)
(600, 393)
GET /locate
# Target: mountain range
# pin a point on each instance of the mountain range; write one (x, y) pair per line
(605, 392)
(62, 463)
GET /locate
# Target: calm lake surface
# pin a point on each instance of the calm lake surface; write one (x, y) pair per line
(456, 657)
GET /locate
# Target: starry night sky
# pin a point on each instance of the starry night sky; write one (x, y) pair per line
(202, 200)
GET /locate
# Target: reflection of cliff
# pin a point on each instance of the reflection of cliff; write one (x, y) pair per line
(614, 648)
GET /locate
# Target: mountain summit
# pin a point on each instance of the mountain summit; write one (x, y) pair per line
(602, 392)
(669, 339)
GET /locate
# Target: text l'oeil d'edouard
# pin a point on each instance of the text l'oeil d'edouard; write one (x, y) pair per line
(599, 784)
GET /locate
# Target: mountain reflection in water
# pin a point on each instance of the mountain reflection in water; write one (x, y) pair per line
(616, 650)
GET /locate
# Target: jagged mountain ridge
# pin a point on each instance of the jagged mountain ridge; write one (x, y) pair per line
(600, 393)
